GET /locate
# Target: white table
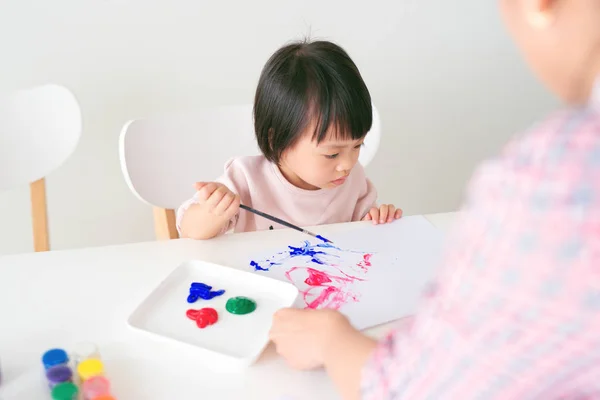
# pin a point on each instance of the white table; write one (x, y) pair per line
(59, 298)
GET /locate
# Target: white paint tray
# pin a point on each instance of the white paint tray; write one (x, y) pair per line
(163, 312)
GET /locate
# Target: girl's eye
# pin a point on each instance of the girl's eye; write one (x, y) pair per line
(359, 146)
(331, 156)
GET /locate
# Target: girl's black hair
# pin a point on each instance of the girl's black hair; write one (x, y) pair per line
(306, 81)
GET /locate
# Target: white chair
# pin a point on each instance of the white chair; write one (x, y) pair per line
(162, 157)
(39, 129)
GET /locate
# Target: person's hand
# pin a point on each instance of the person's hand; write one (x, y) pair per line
(217, 200)
(302, 337)
(384, 214)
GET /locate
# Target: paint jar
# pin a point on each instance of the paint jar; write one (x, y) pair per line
(83, 351)
(95, 387)
(65, 391)
(58, 374)
(89, 368)
(54, 357)
(80, 352)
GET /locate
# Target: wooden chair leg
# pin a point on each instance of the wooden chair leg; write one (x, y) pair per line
(39, 215)
(164, 224)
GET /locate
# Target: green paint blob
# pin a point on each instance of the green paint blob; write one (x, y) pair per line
(240, 305)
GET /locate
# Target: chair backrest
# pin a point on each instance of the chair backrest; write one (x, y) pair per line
(39, 129)
(162, 157)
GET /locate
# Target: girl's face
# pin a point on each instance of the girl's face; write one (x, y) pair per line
(326, 165)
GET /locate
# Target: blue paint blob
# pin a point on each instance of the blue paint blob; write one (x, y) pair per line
(200, 285)
(199, 291)
(213, 294)
(202, 291)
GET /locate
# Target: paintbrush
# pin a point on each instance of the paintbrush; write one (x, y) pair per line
(284, 223)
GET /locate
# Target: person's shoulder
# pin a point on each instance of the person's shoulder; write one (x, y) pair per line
(566, 136)
(556, 151)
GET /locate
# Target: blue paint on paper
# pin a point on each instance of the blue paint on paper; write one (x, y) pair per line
(257, 267)
(317, 261)
(314, 251)
(306, 250)
(309, 251)
(323, 239)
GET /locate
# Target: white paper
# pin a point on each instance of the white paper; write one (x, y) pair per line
(372, 274)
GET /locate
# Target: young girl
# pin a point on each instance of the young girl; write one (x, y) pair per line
(312, 112)
(516, 312)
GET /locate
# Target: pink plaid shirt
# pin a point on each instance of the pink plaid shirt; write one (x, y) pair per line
(515, 310)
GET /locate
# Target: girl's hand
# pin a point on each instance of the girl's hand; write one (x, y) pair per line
(217, 200)
(302, 337)
(215, 206)
(384, 214)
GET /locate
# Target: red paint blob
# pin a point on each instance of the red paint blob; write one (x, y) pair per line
(203, 317)
(316, 278)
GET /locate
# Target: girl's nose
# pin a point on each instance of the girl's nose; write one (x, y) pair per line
(345, 164)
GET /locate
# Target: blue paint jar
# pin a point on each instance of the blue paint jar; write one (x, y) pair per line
(54, 357)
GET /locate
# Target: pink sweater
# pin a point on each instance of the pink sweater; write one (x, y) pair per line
(515, 310)
(261, 185)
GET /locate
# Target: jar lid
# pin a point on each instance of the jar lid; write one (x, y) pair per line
(96, 386)
(54, 357)
(65, 391)
(59, 373)
(90, 368)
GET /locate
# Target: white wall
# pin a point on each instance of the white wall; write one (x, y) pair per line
(448, 83)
